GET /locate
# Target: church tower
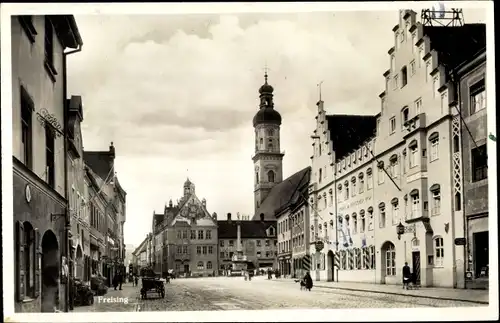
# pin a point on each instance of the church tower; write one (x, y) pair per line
(268, 159)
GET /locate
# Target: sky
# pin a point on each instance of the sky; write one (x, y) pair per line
(176, 95)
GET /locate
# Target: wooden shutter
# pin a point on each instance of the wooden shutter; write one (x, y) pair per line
(20, 243)
(38, 262)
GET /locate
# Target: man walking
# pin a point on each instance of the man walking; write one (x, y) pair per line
(406, 276)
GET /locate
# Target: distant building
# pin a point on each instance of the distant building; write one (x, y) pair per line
(258, 242)
(185, 237)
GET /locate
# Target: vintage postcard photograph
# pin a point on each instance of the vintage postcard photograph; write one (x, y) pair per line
(249, 162)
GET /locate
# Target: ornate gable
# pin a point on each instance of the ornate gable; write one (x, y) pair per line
(191, 211)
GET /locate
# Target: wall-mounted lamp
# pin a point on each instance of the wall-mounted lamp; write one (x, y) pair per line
(400, 229)
(447, 227)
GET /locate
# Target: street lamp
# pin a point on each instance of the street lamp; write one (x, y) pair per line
(400, 229)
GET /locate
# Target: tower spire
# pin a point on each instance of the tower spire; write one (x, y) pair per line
(319, 86)
(265, 72)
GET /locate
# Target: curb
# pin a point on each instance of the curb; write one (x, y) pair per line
(399, 294)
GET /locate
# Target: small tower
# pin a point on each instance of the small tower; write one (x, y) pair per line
(268, 159)
(188, 188)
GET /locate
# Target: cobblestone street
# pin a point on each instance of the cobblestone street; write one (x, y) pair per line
(259, 294)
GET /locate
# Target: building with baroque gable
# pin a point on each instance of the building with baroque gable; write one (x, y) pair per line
(184, 237)
(39, 149)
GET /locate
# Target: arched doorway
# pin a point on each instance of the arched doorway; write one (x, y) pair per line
(79, 262)
(388, 261)
(330, 261)
(50, 272)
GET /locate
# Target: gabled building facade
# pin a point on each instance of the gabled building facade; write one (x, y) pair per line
(184, 237)
(39, 133)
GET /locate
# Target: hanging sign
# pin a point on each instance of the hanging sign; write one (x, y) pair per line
(44, 117)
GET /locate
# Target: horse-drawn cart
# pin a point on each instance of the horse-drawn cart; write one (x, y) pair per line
(152, 283)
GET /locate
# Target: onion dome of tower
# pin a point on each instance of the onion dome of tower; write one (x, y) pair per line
(266, 114)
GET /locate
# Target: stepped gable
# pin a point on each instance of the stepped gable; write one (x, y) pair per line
(280, 195)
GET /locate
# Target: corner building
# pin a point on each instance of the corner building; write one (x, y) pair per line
(417, 185)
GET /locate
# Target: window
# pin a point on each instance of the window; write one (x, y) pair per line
(200, 265)
(204, 250)
(405, 115)
(393, 166)
(396, 82)
(270, 132)
(346, 191)
(320, 175)
(184, 249)
(403, 161)
(49, 42)
(221, 254)
(370, 219)
(270, 147)
(331, 198)
(381, 177)
(413, 41)
(369, 181)
(393, 63)
(27, 108)
(209, 265)
(259, 254)
(390, 257)
(395, 212)
(436, 202)
(401, 36)
(200, 234)
(231, 243)
(257, 177)
(258, 243)
(444, 101)
(387, 80)
(382, 218)
(477, 97)
(179, 234)
(184, 234)
(353, 190)
(354, 224)
(210, 250)
(179, 249)
(26, 23)
(361, 183)
(193, 236)
(418, 106)
(198, 250)
(412, 68)
(421, 55)
(415, 205)
(479, 163)
(427, 70)
(413, 156)
(319, 149)
(439, 252)
(208, 235)
(435, 86)
(392, 122)
(268, 243)
(362, 221)
(270, 176)
(434, 147)
(404, 76)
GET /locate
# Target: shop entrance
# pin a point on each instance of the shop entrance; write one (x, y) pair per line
(481, 254)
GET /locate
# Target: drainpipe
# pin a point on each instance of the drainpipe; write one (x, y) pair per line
(335, 218)
(67, 227)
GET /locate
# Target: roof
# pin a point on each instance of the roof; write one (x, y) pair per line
(227, 229)
(281, 194)
(456, 45)
(141, 246)
(100, 162)
(67, 30)
(349, 132)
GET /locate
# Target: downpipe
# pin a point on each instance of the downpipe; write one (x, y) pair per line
(67, 227)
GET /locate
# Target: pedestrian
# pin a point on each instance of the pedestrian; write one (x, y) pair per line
(136, 280)
(406, 275)
(115, 281)
(308, 281)
(120, 279)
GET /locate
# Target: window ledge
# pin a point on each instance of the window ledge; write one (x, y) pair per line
(51, 70)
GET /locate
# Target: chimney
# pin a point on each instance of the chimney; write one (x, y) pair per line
(112, 150)
(262, 217)
(170, 203)
(229, 216)
(238, 237)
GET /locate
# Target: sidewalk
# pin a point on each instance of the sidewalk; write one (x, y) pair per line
(125, 300)
(451, 294)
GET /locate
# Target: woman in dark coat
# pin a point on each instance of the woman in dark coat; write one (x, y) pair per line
(308, 281)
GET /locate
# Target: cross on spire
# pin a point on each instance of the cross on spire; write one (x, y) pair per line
(265, 72)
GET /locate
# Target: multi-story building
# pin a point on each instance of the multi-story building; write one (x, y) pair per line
(113, 209)
(78, 192)
(139, 257)
(410, 206)
(340, 193)
(471, 82)
(185, 237)
(41, 217)
(257, 242)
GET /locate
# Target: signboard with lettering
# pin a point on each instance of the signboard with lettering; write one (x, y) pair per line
(460, 242)
(355, 203)
(319, 245)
